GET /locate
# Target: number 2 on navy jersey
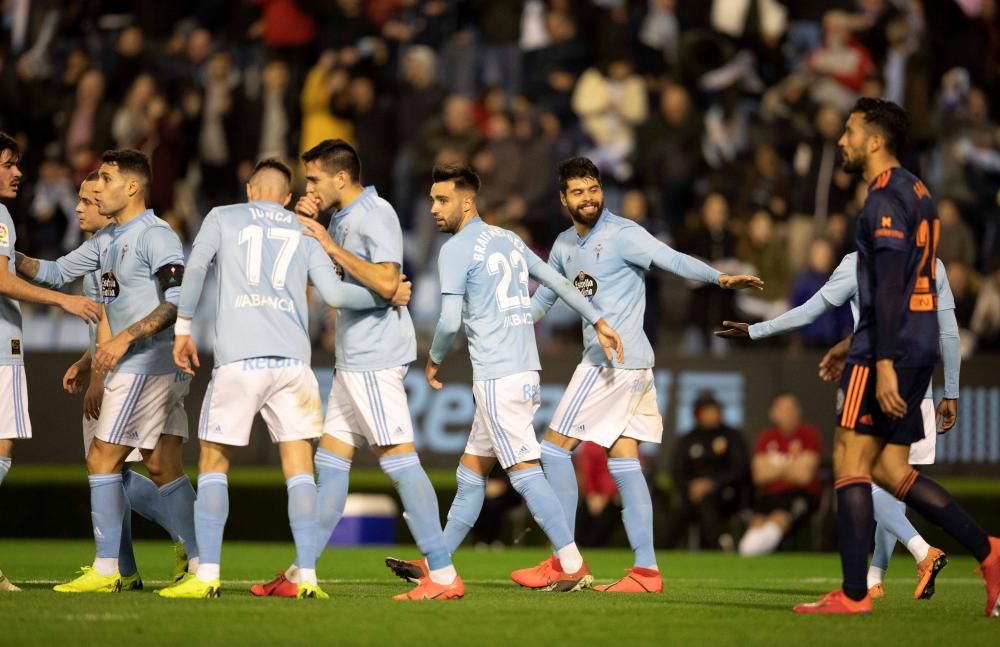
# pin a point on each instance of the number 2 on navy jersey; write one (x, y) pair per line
(498, 263)
(253, 235)
(922, 300)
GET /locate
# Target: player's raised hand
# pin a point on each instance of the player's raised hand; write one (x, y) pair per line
(610, 340)
(740, 282)
(430, 372)
(403, 292)
(734, 330)
(947, 415)
(186, 354)
(76, 378)
(308, 207)
(110, 352)
(82, 307)
(831, 367)
(318, 232)
(887, 390)
(92, 400)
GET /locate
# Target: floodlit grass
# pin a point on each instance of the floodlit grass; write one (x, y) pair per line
(710, 600)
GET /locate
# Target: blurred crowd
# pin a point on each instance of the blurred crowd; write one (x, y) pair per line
(714, 123)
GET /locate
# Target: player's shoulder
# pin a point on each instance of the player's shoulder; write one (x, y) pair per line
(616, 223)
(371, 205)
(899, 186)
(4, 214)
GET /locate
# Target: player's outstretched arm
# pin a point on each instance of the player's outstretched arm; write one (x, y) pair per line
(444, 335)
(794, 319)
(339, 294)
(66, 269)
(641, 248)
(380, 278)
(19, 289)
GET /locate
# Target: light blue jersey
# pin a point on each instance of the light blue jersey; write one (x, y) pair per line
(128, 258)
(263, 264)
(608, 267)
(11, 352)
(489, 267)
(92, 288)
(372, 340)
(841, 288)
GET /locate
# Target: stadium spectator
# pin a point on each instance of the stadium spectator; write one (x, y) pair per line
(957, 242)
(986, 316)
(831, 326)
(711, 472)
(765, 250)
(610, 103)
(841, 63)
(86, 123)
(552, 71)
(785, 477)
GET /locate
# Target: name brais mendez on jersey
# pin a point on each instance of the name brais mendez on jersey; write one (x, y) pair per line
(251, 300)
(497, 263)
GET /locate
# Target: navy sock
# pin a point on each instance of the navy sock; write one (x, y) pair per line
(933, 501)
(855, 525)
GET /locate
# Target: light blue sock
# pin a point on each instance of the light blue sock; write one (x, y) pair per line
(144, 499)
(302, 518)
(211, 509)
(107, 509)
(557, 463)
(126, 556)
(637, 508)
(4, 467)
(465, 508)
(890, 515)
(420, 506)
(177, 498)
(331, 494)
(530, 483)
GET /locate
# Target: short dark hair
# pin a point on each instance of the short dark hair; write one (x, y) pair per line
(574, 168)
(335, 155)
(274, 164)
(129, 160)
(891, 121)
(461, 174)
(8, 143)
(93, 176)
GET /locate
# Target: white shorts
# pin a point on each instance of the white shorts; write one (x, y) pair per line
(138, 409)
(176, 426)
(923, 452)
(369, 406)
(14, 422)
(502, 426)
(603, 403)
(284, 391)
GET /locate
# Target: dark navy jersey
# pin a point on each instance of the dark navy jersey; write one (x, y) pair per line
(899, 214)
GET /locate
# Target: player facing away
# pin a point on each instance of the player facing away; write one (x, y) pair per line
(142, 495)
(890, 513)
(262, 354)
(141, 269)
(612, 404)
(14, 423)
(484, 274)
(367, 402)
(890, 362)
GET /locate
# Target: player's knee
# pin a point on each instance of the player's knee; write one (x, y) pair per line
(100, 460)
(559, 440)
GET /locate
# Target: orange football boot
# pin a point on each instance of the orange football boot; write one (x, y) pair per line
(836, 603)
(540, 576)
(430, 590)
(877, 592)
(279, 587)
(638, 580)
(412, 571)
(990, 570)
(569, 582)
(927, 571)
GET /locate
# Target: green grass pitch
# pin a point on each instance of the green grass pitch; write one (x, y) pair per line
(710, 600)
